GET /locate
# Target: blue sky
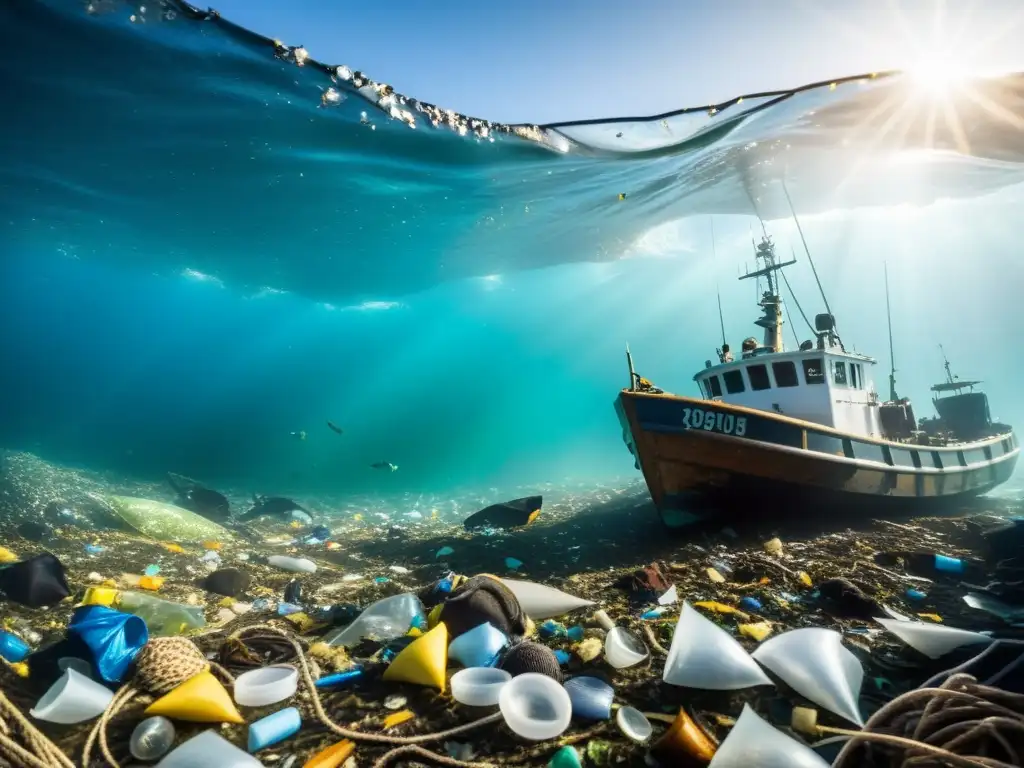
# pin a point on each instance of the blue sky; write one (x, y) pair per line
(550, 60)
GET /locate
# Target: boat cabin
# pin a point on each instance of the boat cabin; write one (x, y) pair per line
(820, 382)
(829, 387)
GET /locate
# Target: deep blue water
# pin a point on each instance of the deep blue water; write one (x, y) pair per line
(200, 255)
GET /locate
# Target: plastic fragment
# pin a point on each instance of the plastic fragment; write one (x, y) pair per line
(715, 576)
(757, 631)
(398, 718)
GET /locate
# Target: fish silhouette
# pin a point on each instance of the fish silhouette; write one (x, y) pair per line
(197, 498)
(507, 514)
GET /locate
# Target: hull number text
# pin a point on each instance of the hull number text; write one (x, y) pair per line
(726, 423)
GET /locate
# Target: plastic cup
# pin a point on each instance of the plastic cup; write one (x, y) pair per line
(634, 724)
(933, 640)
(705, 656)
(591, 697)
(753, 742)
(540, 601)
(479, 647)
(535, 706)
(814, 663)
(269, 685)
(209, 749)
(479, 686)
(274, 728)
(74, 698)
(624, 649)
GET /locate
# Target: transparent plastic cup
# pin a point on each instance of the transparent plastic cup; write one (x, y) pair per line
(753, 742)
(540, 601)
(634, 724)
(705, 656)
(479, 647)
(933, 640)
(209, 750)
(591, 697)
(814, 663)
(535, 706)
(479, 686)
(623, 649)
(383, 620)
(74, 698)
(269, 685)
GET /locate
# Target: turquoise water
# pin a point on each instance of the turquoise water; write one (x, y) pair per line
(207, 247)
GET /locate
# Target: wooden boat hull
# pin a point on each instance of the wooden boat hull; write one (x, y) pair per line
(702, 457)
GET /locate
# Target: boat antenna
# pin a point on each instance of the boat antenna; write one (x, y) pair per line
(796, 301)
(632, 372)
(945, 364)
(718, 290)
(892, 357)
(806, 249)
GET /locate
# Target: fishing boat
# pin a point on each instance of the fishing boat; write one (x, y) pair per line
(778, 430)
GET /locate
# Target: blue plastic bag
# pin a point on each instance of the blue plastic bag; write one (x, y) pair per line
(115, 638)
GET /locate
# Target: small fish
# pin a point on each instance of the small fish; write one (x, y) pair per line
(385, 465)
(300, 435)
(334, 427)
(444, 552)
(274, 506)
(508, 514)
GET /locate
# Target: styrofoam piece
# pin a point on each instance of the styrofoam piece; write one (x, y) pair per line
(209, 750)
(753, 742)
(705, 656)
(814, 662)
(540, 601)
(933, 640)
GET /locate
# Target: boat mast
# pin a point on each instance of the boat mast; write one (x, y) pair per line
(892, 357)
(771, 301)
(718, 290)
(945, 364)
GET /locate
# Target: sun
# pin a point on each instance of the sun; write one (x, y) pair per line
(936, 74)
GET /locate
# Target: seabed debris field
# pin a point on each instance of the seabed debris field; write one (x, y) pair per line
(135, 631)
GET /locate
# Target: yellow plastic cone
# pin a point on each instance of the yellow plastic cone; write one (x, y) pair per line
(201, 699)
(423, 661)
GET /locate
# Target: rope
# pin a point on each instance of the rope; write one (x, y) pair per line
(937, 726)
(376, 738)
(41, 752)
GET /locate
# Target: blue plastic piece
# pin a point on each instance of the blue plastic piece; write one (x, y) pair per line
(274, 729)
(949, 564)
(445, 585)
(551, 628)
(381, 580)
(575, 633)
(152, 570)
(113, 637)
(93, 549)
(12, 647)
(591, 697)
(654, 613)
(286, 609)
(751, 604)
(339, 678)
(562, 657)
(915, 594)
(479, 647)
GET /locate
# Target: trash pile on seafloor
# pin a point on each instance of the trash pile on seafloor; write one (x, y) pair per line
(556, 669)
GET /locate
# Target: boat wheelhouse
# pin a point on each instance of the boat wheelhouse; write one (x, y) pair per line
(775, 427)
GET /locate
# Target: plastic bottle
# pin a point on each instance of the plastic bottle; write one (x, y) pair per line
(162, 617)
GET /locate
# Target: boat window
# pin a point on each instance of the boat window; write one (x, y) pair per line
(854, 375)
(785, 374)
(813, 372)
(839, 373)
(714, 386)
(733, 382)
(759, 377)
